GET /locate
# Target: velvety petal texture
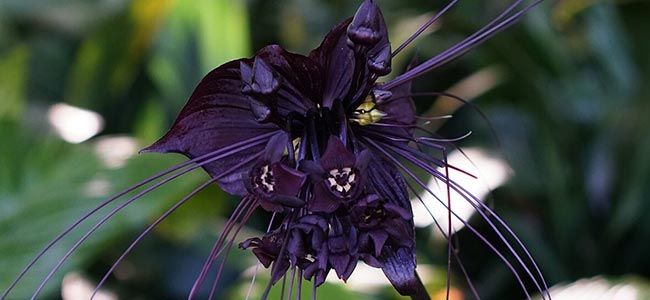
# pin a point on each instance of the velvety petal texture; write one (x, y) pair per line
(337, 62)
(353, 55)
(217, 115)
(290, 133)
(399, 267)
(300, 86)
(227, 107)
(398, 260)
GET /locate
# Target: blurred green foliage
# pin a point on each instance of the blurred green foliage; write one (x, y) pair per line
(570, 111)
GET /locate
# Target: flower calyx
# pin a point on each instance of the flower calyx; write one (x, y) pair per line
(337, 177)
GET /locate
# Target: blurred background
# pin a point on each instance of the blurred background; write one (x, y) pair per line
(84, 84)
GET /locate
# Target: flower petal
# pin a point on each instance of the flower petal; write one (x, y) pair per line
(263, 257)
(362, 160)
(287, 180)
(400, 107)
(259, 79)
(279, 269)
(217, 115)
(336, 155)
(368, 29)
(340, 262)
(397, 263)
(379, 238)
(347, 73)
(275, 147)
(300, 87)
(271, 206)
(337, 62)
(390, 185)
(323, 200)
(367, 26)
(399, 268)
(351, 53)
(313, 169)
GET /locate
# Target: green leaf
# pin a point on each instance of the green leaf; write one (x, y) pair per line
(13, 80)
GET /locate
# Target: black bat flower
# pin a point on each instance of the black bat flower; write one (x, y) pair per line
(320, 143)
(338, 177)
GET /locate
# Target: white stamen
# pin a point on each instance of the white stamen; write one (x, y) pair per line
(351, 177)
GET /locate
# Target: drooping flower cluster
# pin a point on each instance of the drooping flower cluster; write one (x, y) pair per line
(327, 141)
(341, 201)
(341, 222)
(319, 142)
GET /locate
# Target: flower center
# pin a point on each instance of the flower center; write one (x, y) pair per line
(263, 179)
(342, 180)
(367, 113)
(376, 214)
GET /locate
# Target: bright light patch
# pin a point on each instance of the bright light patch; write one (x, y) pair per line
(595, 289)
(75, 287)
(73, 124)
(369, 279)
(97, 187)
(114, 151)
(491, 172)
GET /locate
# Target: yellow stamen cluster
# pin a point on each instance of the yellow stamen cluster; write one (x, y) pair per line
(367, 113)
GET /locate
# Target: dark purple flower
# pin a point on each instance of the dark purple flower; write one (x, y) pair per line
(261, 126)
(275, 185)
(342, 248)
(378, 222)
(267, 249)
(338, 177)
(308, 249)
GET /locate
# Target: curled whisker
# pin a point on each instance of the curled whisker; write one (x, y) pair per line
(473, 106)
(291, 282)
(434, 118)
(415, 178)
(500, 220)
(469, 104)
(456, 139)
(78, 243)
(486, 28)
(462, 47)
(299, 288)
(114, 197)
(148, 230)
(424, 27)
(408, 126)
(449, 248)
(97, 225)
(477, 204)
(316, 139)
(241, 207)
(76, 223)
(244, 220)
(448, 238)
(394, 125)
(276, 264)
(257, 263)
(283, 287)
(413, 151)
(471, 198)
